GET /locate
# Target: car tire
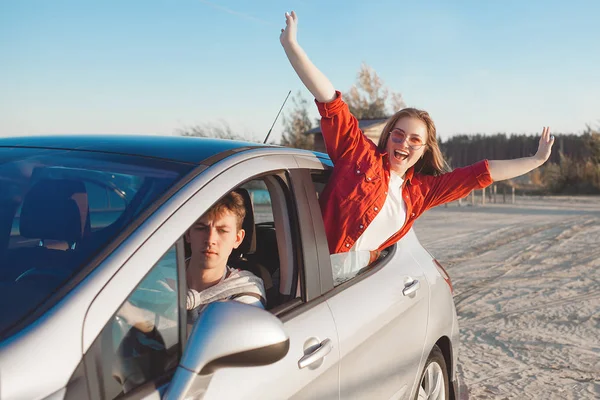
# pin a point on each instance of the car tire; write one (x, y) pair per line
(433, 382)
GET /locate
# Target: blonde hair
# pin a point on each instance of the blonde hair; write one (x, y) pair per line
(232, 202)
(432, 162)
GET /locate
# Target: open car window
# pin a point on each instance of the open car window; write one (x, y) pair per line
(344, 266)
(273, 257)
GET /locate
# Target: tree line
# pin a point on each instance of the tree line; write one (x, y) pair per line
(573, 167)
(461, 150)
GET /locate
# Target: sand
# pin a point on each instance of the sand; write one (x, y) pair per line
(527, 294)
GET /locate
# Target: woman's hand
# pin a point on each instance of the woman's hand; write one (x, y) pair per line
(545, 146)
(508, 169)
(314, 80)
(288, 35)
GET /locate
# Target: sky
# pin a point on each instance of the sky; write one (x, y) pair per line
(160, 66)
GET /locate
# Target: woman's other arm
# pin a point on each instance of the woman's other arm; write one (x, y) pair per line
(507, 169)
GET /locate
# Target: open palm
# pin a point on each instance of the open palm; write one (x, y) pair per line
(545, 146)
(288, 35)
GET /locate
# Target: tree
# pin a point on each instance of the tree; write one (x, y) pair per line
(296, 124)
(591, 138)
(368, 98)
(218, 131)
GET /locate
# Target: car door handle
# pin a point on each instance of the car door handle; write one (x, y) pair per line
(316, 355)
(411, 288)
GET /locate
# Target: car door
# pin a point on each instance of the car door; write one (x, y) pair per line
(381, 316)
(382, 330)
(310, 369)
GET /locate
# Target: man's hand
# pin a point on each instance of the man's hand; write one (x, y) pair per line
(545, 146)
(139, 318)
(288, 35)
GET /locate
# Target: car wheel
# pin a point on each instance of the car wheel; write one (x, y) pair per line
(433, 384)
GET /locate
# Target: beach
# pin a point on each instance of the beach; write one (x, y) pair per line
(526, 278)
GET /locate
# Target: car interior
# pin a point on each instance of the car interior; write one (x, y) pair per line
(55, 218)
(54, 215)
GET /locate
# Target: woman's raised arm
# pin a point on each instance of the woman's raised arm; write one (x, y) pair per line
(309, 74)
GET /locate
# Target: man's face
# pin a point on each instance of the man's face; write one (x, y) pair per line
(213, 239)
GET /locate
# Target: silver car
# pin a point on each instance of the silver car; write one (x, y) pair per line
(89, 224)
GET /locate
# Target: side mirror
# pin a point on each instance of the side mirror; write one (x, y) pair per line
(227, 334)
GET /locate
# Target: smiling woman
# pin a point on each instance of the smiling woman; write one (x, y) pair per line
(376, 192)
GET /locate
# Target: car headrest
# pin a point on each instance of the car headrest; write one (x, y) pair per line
(55, 209)
(248, 245)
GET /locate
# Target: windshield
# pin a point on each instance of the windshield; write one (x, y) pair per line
(60, 208)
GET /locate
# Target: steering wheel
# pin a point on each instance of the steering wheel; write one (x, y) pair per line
(35, 273)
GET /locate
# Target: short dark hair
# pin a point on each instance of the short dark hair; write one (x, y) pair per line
(232, 202)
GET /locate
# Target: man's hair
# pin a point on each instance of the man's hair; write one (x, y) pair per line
(232, 202)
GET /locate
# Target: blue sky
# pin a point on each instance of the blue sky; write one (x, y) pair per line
(130, 66)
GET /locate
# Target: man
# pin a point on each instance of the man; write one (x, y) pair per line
(212, 238)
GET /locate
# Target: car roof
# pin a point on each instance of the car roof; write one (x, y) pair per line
(176, 148)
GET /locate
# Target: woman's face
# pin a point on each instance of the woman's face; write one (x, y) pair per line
(406, 144)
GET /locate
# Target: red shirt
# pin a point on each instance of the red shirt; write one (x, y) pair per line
(358, 185)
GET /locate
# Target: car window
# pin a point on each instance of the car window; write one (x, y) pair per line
(270, 244)
(272, 258)
(141, 342)
(58, 210)
(319, 179)
(102, 211)
(344, 266)
(116, 200)
(97, 197)
(261, 200)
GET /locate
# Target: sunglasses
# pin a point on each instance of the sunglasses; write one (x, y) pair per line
(399, 136)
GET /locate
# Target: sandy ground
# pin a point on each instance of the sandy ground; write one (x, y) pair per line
(527, 293)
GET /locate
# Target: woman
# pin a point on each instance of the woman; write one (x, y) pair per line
(376, 192)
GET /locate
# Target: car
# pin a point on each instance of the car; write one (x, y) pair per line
(90, 223)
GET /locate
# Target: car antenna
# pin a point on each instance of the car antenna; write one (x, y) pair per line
(286, 97)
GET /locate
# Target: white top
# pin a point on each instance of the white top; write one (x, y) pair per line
(233, 282)
(389, 220)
